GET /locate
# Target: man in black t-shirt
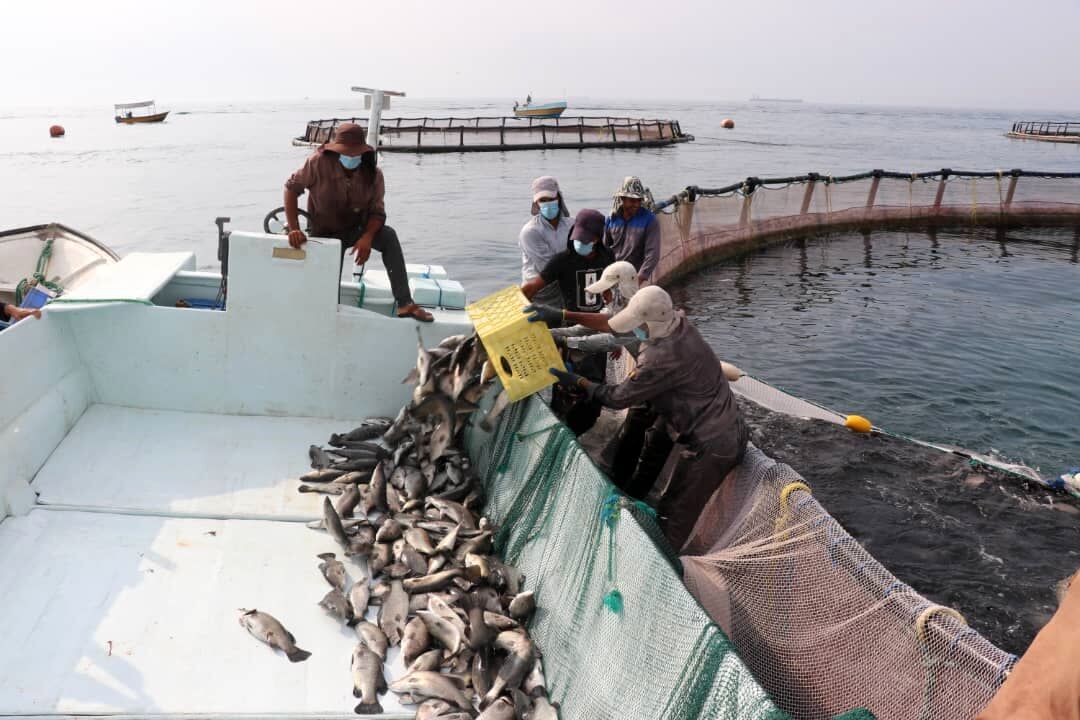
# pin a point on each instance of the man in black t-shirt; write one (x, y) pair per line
(576, 268)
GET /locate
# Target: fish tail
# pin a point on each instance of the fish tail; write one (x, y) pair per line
(371, 708)
(298, 655)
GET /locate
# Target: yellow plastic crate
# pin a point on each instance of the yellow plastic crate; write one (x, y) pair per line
(521, 351)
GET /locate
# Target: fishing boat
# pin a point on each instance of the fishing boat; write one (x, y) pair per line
(138, 112)
(51, 257)
(539, 110)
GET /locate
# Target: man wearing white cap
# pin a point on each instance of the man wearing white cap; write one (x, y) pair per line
(681, 376)
(545, 235)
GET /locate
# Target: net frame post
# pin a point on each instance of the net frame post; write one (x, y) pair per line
(748, 197)
(808, 195)
(1012, 188)
(872, 194)
(941, 189)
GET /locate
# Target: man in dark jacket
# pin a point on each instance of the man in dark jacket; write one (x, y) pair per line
(681, 377)
(576, 269)
(345, 201)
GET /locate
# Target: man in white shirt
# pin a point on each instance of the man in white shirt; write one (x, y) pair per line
(544, 236)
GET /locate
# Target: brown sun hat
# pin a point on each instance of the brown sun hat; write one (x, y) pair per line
(349, 139)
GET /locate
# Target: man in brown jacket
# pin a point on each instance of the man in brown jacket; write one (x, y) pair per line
(345, 201)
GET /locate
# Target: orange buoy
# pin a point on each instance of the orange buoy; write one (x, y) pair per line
(727, 124)
(56, 131)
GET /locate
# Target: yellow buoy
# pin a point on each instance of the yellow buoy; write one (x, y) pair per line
(858, 423)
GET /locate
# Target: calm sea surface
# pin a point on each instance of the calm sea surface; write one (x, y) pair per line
(969, 342)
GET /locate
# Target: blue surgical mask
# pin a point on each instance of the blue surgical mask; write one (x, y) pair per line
(641, 335)
(550, 209)
(351, 162)
(582, 248)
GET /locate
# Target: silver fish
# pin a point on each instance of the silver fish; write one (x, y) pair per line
(389, 531)
(447, 544)
(333, 526)
(393, 613)
(428, 661)
(432, 709)
(414, 640)
(431, 685)
(500, 404)
(319, 458)
(379, 557)
(377, 487)
(332, 488)
(359, 594)
(500, 709)
(321, 476)
(420, 540)
(347, 502)
(416, 483)
(440, 607)
(442, 630)
(427, 583)
(370, 634)
(441, 409)
(542, 709)
(481, 671)
(513, 670)
(413, 560)
(535, 684)
(333, 570)
(268, 629)
(367, 673)
(335, 603)
(480, 634)
(522, 606)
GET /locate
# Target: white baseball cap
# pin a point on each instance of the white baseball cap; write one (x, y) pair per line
(652, 306)
(619, 273)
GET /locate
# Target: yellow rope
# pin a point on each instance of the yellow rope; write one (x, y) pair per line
(785, 510)
(924, 618)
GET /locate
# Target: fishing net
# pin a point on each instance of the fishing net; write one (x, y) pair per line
(621, 637)
(822, 625)
(699, 226)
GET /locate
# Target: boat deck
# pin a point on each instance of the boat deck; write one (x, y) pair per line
(137, 615)
(185, 463)
(152, 528)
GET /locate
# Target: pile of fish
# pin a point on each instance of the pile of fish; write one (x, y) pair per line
(412, 545)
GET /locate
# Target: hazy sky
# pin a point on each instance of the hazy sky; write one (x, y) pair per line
(985, 53)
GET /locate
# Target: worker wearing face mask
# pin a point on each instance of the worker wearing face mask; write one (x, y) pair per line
(346, 202)
(682, 379)
(632, 231)
(575, 270)
(545, 235)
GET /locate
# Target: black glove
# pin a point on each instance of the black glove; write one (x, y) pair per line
(572, 379)
(545, 313)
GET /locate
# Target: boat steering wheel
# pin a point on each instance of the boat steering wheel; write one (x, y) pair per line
(275, 223)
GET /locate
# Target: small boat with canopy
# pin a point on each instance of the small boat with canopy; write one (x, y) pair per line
(539, 110)
(138, 112)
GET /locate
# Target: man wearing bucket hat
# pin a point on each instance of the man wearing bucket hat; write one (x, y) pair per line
(545, 235)
(681, 377)
(632, 231)
(575, 270)
(346, 201)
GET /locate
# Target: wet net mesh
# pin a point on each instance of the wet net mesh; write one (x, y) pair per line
(621, 637)
(821, 624)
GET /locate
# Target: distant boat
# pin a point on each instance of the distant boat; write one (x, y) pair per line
(758, 98)
(138, 112)
(545, 110)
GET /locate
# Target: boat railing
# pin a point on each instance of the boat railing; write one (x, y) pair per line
(1047, 128)
(702, 225)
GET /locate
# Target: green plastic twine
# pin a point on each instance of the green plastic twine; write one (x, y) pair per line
(609, 515)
